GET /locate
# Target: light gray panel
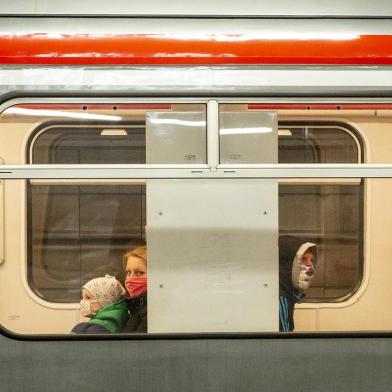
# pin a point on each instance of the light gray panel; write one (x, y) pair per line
(213, 255)
(203, 81)
(248, 137)
(176, 137)
(216, 7)
(225, 30)
(18, 7)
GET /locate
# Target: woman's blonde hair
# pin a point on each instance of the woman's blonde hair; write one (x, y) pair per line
(140, 252)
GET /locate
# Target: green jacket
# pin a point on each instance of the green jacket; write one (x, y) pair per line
(112, 317)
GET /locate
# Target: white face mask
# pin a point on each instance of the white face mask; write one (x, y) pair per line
(85, 307)
(301, 275)
(305, 276)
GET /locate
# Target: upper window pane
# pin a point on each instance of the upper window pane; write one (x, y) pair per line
(317, 144)
(113, 134)
(90, 144)
(264, 136)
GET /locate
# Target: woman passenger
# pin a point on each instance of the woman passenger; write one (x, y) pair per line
(136, 284)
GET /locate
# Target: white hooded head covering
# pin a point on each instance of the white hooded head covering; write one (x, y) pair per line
(105, 290)
(300, 274)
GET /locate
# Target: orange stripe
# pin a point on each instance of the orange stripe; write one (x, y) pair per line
(147, 49)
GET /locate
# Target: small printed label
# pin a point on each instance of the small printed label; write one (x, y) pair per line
(13, 317)
(190, 157)
(235, 156)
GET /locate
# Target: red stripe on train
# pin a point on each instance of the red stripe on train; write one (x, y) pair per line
(87, 106)
(131, 49)
(328, 106)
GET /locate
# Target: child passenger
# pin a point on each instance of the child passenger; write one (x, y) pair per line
(103, 302)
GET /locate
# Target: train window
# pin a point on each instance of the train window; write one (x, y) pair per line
(79, 231)
(196, 229)
(329, 213)
(203, 248)
(218, 252)
(68, 242)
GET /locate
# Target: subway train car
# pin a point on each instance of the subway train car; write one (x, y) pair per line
(210, 140)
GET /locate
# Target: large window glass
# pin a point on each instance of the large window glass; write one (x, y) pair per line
(78, 230)
(211, 238)
(327, 212)
(211, 252)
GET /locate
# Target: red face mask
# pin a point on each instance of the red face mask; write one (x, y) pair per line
(136, 286)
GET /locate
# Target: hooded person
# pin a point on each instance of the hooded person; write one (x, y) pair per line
(103, 302)
(297, 262)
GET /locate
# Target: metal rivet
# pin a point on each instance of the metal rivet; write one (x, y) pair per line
(265, 212)
(265, 284)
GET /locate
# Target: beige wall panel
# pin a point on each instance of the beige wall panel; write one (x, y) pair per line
(372, 309)
(19, 312)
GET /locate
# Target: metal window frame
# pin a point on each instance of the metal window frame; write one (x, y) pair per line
(239, 171)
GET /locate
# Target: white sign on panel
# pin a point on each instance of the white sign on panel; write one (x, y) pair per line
(176, 137)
